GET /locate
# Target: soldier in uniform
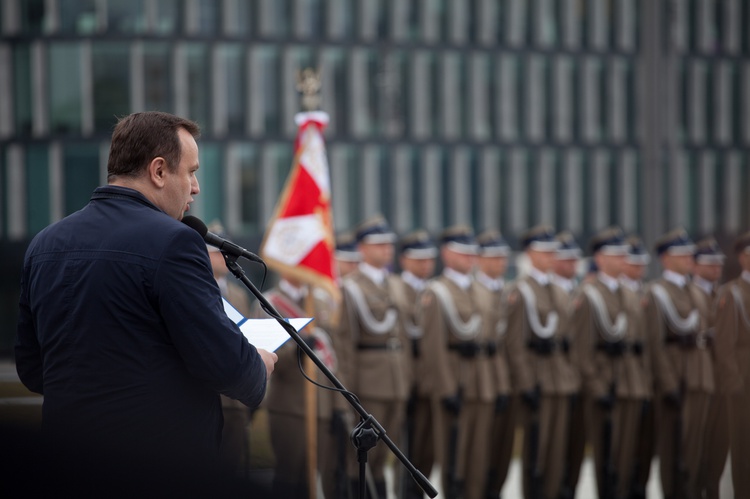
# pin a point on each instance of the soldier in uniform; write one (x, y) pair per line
(285, 400)
(540, 370)
(682, 366)
(490, 284)
(417, 256)
(459, 367)
(346, 255)
(733, 354)
(375, 360)
(235, 435)
(709, 261)
(564, 270)
(608, 349)
(633, 271)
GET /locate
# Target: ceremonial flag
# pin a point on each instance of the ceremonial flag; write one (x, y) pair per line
(300, 239)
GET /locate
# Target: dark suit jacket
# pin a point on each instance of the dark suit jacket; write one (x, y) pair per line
(122, 329)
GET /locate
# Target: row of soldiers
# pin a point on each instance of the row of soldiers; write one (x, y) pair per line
(451, 365)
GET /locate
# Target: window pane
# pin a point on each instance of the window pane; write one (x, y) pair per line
(33, 17)
(157, 73)
(169, 16)
(37, 185)
(249, 161)
(111, 73)
(81, 167)
(207, 17)
(65, 94)
(22, 88)
(235, 86)
(199, 88)
(78, 16)
(211, 177)
(125, 16)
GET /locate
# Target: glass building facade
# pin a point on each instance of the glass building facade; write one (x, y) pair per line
(495, 113)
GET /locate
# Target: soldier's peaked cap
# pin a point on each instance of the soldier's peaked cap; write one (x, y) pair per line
(346, 247)
(675, 242)
(375, 230)
(569, 249)
(609, 241)
(459, 238)
(707, 251)
(742, 243)
(418, 244)
(637, 252)
(540, 238)
(492, 243)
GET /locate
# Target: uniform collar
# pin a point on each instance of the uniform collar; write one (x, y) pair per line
(705, 285)
(292, 291)
(415, 282)
(611, 282)
(678, 280)
(563, 282)
(541, 277)
(489, 282)
(463, 281)
(629, 283)
(376, 275)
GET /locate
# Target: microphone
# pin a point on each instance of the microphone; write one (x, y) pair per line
(221, 243)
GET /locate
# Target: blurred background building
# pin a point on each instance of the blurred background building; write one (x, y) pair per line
(505, 113)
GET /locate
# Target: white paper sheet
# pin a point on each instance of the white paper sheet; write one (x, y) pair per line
(264, 333)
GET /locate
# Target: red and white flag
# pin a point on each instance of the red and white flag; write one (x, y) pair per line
(299, 240)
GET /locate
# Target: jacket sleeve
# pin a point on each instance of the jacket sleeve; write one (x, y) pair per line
(435, 348)
(518, 354)
(212, 347)
(28, 354)
(729, 378)
(584, 348)
(665, 377)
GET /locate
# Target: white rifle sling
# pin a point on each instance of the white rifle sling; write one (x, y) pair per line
(465, 330)
(740, 305)
(370, 323)
(535, 324)
(679, 324)
(500, 328)
(610, 332)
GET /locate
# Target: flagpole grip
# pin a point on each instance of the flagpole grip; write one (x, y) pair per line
(239, 273)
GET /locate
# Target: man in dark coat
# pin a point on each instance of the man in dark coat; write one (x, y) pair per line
(121, 323)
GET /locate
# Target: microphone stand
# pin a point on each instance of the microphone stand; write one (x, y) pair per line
(366, 434)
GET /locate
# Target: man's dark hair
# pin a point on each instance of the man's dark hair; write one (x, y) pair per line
(140, 137)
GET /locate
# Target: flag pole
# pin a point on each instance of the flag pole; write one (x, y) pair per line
(311, 412)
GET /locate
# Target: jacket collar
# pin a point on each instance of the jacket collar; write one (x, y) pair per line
(118, 192)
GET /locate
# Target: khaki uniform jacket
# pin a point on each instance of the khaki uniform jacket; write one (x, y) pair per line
(733, 336)
(447, 370)
(286, 387)
(671, 361)
(369, 317)
(495, 325)
(597, 312)
(529, 369)
(406, 299)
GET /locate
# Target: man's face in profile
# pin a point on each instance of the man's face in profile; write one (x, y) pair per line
(182, 184)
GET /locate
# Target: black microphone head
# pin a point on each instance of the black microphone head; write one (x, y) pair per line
(196, 224)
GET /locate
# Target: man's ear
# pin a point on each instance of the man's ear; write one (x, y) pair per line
(157, 170)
